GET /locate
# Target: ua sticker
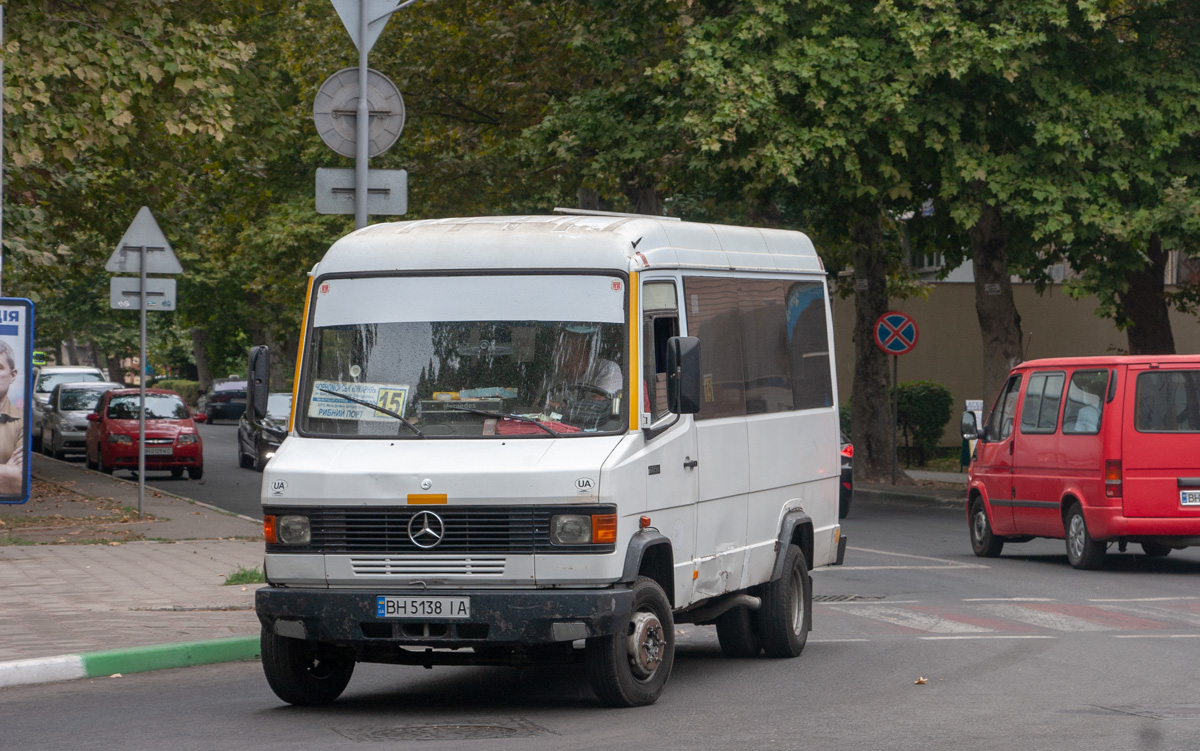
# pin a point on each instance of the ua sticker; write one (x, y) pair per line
(585, 485)
(278, 486)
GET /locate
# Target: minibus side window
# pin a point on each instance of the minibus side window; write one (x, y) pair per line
(1168, 401)
(1085, 402)
(1000, 422)
(660, 322)
(1043, 397)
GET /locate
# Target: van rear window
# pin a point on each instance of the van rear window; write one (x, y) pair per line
(1168, 401)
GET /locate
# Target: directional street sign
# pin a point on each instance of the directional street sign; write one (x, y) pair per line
(895, 332)
(350, 13)
(144, 237)
(387, 191)
(125, 293)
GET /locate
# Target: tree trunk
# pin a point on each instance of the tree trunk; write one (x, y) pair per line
(642, 194)
(999, 322)
(200, 353)
(72, 352)
(871, 407)
(1145, 306)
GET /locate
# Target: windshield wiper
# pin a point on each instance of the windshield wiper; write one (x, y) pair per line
(377, 408)
(506, 415)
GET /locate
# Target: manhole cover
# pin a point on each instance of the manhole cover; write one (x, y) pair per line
(444, 731)
(1158, 712)
(846, 598)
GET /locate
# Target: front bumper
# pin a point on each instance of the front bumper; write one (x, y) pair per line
(498, 617)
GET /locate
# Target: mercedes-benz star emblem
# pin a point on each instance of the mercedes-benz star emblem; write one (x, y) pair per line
(426, 529)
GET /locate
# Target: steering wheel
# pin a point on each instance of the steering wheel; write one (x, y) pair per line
(590, 406)
(579, 387)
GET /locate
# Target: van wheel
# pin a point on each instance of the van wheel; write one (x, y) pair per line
(737, 630)
(631, 667)
(1155, 550)
(1082, 551)
(304, 672)
(983, 542)
(786, 608)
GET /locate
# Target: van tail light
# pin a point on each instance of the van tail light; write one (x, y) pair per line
(848, 451)
(1112, 478)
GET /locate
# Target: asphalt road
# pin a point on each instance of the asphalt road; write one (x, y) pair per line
(1019, 652)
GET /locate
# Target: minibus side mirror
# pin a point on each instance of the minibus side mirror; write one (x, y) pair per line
(683, 375)
(259, 382)
(969, 429)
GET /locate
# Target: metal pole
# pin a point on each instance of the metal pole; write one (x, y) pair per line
(895, 413)
(1, 149)
(142, 388)
(363, 123)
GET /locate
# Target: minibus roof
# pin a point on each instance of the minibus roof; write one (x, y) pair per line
(568, 242)
(1107, 361)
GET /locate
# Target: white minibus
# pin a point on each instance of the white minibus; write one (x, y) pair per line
(551, 439)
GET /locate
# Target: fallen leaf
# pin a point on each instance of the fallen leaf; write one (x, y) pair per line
(115, 675)
(920, 681)
(243, 589)
(114, 544)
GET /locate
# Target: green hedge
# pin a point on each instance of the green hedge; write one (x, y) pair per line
(189, 390)
(923, 412)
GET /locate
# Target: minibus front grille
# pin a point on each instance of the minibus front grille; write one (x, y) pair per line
(465, 529)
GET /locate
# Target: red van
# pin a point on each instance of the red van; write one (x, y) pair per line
(1095, 450)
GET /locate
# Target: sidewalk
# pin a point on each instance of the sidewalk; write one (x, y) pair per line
(168, 588)
(945, 489)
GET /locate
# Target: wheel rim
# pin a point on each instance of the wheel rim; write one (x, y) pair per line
(980, 527)
(646, 644)
(1076, 536)
(797, 587)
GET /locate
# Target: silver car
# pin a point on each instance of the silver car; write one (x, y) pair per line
(45, 378)
(64, 421)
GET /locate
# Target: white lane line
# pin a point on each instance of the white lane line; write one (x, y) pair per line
(914, 620)
(1008, 599)
(868, 603)
(1045, 619)
(1156, 636)
(985, 636)
(834, 641)
(1147, 599)
(908, 555)
(943, 567)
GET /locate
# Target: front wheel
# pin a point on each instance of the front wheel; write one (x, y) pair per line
(785, 617)
(983, 542)
(1082, 551)
(101, 465)
(304, 672)
(630, 668)
(195, 473)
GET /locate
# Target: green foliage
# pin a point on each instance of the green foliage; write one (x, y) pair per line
(245, 575)
(844, 417)
(189, 390)
(923, 410)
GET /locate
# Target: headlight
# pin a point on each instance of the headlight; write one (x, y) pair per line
(120, 438)
(65, 425)
(294, 530)
(186, 439)
(570, 529)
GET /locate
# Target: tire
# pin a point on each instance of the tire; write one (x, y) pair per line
(615, 676)
(1156, 550)
(983, 542)
(786, 614)
(37, 441)
(47, 446)
(176, 473)
(303, 672)
(260, 462)
(1082, 551)
(88, 461)
(245, 461)
(737, 631)
(844, 507)
(195, 473)
(100, 465)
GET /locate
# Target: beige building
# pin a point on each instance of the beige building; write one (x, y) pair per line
(949, 350)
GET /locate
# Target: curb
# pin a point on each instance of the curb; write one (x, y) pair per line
(130, 660)
(870, 495)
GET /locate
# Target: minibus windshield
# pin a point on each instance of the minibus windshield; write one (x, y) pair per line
(538, 356)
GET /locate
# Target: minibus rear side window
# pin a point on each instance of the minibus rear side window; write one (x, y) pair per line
(1085, 402)
(1043, 396)
(1168, 401)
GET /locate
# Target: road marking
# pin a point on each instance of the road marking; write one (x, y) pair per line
(944, 562)
(1156, 636)
(907, 555)
(869, 603)
(1147, 599)
(1008, 599)
(914, 619)
(833, 641)
(1045, 618)
(986, 636)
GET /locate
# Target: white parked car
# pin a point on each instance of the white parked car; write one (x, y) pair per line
(46, 378)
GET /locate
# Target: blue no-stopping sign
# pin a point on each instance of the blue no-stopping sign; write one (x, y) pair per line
(895, 332)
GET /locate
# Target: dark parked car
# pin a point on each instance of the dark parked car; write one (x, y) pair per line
(226, 400)
(172, 442)
(847, 481)
(64, 416)
(259, 439)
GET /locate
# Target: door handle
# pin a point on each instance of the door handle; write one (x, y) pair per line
(690, 463)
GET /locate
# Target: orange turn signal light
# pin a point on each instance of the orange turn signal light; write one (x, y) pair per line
(604, 529)
(269, 529)
(644, 522)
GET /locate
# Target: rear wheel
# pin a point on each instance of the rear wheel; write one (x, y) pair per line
(1082, 551)
(737, 631)
(304, 672)
(983, 542)
(786, 607)
(1155, 550)
(630, 668)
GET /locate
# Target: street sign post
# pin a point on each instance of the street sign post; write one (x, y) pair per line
(144, 249)
(896, 334)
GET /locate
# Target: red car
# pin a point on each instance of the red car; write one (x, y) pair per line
(172, 442)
